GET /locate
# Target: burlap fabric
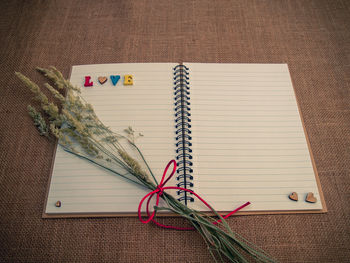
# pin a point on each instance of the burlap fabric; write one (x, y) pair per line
(311, 36)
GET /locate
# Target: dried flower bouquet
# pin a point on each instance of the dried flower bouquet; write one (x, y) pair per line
(79, 131)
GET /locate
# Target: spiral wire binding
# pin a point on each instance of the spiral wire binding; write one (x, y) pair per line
(183, 131)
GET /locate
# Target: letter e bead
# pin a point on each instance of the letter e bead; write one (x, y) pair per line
(128, 80)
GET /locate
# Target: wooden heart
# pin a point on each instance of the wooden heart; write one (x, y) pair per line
(293, 196)
(102, 80)
(310, 198)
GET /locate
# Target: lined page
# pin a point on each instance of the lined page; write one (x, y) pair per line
(147, 106)
(248, 139)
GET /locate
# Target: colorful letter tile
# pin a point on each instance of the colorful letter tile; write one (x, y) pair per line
(88, 82)
(115, 79)
(128, 80)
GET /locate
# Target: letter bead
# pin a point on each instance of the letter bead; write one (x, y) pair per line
(128, 80)
(88, 82)
(115, 79)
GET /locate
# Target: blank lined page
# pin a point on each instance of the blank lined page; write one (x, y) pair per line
(248, 138)
(147, 106)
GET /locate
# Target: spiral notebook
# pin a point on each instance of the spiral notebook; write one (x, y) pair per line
(234, 130)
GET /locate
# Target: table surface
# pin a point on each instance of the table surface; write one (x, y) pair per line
(311, 36)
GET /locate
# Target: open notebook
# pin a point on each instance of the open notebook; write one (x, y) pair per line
(235, 130)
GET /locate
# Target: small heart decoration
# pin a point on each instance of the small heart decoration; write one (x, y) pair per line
(102, 80)
(293, 196)
(310, 198)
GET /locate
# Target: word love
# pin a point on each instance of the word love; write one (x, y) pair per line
(128, 80)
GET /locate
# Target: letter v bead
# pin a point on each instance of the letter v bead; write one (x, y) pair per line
(115, 79)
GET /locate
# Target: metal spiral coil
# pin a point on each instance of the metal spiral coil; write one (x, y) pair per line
(183, 131)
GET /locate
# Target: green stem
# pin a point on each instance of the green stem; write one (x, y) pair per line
(144, 160)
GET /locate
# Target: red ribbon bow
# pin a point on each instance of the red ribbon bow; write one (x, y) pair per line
(160, 190)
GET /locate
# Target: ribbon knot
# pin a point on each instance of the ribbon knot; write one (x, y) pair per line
(159, 191)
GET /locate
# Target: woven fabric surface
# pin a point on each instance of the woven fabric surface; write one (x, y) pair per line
(311, 36)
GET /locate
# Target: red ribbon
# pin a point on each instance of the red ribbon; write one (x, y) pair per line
(160, 190)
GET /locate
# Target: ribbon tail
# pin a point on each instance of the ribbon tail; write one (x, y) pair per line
(231, 213)
(150, 195)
